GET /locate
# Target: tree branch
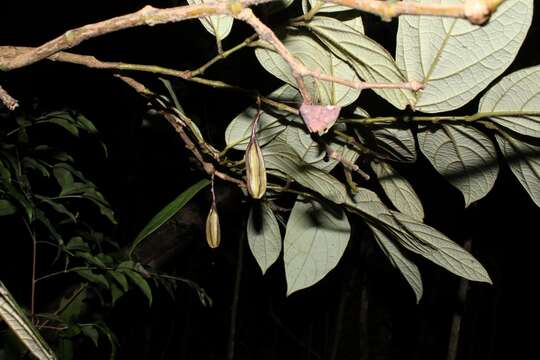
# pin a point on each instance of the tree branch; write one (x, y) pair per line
(179, 125)
(148, 15)
(476, 11)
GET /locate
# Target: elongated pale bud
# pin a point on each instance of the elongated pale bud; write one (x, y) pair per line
(255, 169)
(213, 231)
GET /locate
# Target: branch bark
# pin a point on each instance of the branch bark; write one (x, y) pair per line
(7, 99)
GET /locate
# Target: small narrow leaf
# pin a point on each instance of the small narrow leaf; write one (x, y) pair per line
(315, 240)
(398, 190)
(17, 321)
(524, 161)
(408, 269)
(517, 92)
(7, 207)
(129, 269)
(168, 211)
(263, 235)
(466, 157)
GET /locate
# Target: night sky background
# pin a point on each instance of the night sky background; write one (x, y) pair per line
(362, 310)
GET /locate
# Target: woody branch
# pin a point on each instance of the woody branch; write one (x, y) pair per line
(476, 11)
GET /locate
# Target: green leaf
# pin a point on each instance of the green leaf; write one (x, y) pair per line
(313, 152)
(128, 268)
(90, 332)
(441, 250)
(280, 156)
(466, 157)
(269, 126)
(44, 219)
(74, 305)
(59, 208)
(315, 240)
(398, 190)
(168, 211)
(524, 161)
(418, 237)
(395, 142)
(369, 59)
(4, 172)
(400, 261)
(63, 177)
(17, 321)
(519, 92)
(120, 279)
(94, 278)
(85, 124)
(7, 207)
(308, 52)
(456, 60)
(219, 25)
(66, 124)
(20, 198)
(263, 235)
(31, 163)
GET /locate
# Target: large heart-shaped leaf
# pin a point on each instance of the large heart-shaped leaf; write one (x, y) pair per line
(465, 156)
(456, 60)
(314, 57)
(315, 240)
(369, 59)
(517, 92)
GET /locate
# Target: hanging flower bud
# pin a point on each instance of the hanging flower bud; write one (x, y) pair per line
(213, 231)
(255, 169)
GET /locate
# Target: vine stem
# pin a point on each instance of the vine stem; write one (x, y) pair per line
(236, 295)
(34, 262)
(438, 119)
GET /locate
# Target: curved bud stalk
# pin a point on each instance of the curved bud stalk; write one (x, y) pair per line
(255, 168)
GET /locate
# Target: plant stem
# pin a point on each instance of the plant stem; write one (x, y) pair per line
(438, 119)
(223, 55)
(455, 328)
(34, 261)
(236, 296)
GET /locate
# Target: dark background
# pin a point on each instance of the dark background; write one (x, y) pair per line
(361, 310)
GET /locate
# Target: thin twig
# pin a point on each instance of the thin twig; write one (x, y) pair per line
(347, 164)
(236, 295)
(8, 100)
(34, 261)
(179, 126)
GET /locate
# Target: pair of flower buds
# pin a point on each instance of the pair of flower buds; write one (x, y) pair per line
(255, 182)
